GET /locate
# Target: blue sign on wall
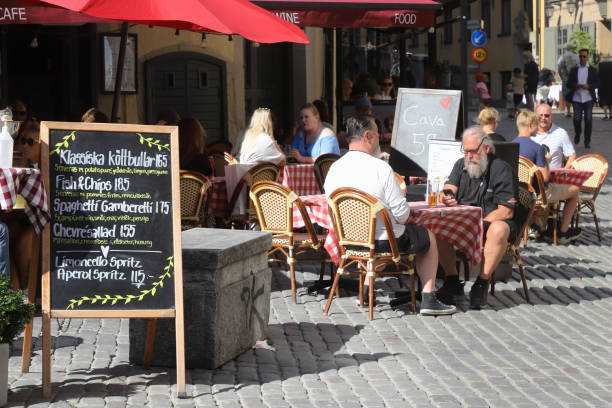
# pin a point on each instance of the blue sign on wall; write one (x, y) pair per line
(479, 38)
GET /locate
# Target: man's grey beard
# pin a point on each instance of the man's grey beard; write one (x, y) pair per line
(476, 168)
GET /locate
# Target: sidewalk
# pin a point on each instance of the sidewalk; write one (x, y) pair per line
(556, 352)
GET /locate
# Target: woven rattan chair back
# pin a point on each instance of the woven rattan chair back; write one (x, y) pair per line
(194, 189)
(598, 165)
(261, 172)
(354, 214)
(321, 167)
(274, 206)
(527, 173)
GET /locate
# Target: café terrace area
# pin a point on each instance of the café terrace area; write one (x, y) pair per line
(554, 352)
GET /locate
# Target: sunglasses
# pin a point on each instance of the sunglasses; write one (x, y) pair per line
(544, 115)
(584, 56)
(29, 141)
(388, 83)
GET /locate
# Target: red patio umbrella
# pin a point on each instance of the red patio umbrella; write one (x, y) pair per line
(222, 16)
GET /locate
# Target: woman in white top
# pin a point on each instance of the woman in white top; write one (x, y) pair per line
(258, 144)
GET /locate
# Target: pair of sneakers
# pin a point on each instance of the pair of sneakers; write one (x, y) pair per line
(430, 305)
(572, 234)
(453, 287)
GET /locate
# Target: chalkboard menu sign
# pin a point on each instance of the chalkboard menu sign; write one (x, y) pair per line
(421, 115)
(112, 248)
(111, 220)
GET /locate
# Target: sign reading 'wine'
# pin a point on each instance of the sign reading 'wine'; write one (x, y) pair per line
(111, 231)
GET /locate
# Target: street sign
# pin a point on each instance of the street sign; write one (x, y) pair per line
(473, 24)
(479, 38)
(479, 55)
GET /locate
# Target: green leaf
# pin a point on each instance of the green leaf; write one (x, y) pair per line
(93, 301)
(153, 291)
(114, 301)
(128, 300)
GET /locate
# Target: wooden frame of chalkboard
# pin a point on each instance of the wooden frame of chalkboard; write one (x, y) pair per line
(114, 240)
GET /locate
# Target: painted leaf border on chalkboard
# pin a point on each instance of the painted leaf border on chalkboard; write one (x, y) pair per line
(125, 298)
(72, 136)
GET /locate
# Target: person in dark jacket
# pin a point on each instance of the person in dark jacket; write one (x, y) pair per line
(583, 79)
(531, 82)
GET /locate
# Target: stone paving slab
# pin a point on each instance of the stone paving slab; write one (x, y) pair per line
(554, 352)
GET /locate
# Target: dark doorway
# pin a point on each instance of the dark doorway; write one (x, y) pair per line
(268, 84)
(53, 69)
(193, 85)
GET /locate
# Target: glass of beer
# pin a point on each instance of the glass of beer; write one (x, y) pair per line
(433, 191)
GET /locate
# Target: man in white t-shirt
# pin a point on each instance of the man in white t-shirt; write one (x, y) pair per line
(556, 139)
(361, 170)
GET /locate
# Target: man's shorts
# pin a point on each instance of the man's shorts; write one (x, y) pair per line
(514, 230)
(518, 98)
(557, 192)
(414, 240)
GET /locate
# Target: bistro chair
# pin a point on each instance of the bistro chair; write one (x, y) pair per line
(274, 204)
(220, 160)
(321, 167)
(353, 215)
(528, 173)
(401, 181)
(194, 190)
(590, 188)
(261, 172)
(528, 199)
(219, 146)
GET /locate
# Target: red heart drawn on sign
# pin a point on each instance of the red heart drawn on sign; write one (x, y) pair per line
(444, 102)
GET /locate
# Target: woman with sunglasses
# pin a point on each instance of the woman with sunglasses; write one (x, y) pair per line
(387, 90)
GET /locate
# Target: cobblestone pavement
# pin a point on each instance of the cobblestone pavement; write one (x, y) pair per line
(553, 353)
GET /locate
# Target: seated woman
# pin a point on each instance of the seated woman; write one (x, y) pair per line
(258, 144)
(489, 119)
(387, 90)
(21, 231)
(313, 139)
(192, 155)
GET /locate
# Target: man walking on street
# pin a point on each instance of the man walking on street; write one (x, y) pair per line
(583, 80)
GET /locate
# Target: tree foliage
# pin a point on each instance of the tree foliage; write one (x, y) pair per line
(14, 313)
(581, 40)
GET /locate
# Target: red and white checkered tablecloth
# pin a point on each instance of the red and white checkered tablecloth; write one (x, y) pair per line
(27, 182)
(217, 200)
(300, 179)
(461, 225)
(569, 176)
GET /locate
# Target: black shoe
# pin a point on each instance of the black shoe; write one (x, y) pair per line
(576, 139)
(587, 146)
(452, 287)
(431, 306)
(568, 236)
(534, 232)
(477, 294)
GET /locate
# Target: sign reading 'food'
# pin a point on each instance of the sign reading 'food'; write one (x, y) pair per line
(111, 244)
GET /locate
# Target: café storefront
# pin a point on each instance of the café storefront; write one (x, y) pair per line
(348, 37)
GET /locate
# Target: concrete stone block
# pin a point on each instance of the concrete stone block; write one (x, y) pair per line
(226, 296)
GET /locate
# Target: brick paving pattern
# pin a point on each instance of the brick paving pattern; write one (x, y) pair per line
(553, 353)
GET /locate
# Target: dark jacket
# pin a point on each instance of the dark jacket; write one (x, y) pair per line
(531, 70)
(592, 80)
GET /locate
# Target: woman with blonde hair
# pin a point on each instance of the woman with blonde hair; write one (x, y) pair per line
(192, 153)
(258, 144)
(489, 119)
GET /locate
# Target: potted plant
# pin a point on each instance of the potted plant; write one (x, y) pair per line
(14, 315)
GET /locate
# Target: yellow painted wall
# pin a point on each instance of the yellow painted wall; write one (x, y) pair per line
(156, 41)
(315, 55)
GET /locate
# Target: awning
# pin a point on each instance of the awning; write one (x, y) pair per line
(16, 12)
(355, 13)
